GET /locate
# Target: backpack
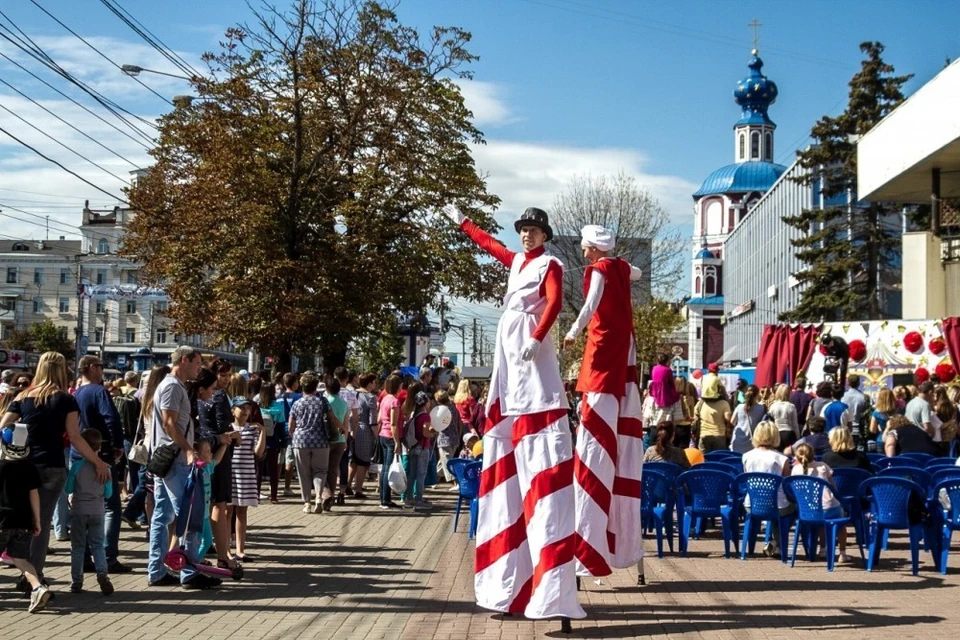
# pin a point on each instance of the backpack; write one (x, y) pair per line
(410, 433)
(129, 409)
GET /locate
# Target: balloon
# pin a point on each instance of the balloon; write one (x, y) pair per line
(478, 449)
(440, 417)
(694, 456)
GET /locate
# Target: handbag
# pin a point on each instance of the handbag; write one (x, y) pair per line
(138, 452)
(163, 457)
(331, 429)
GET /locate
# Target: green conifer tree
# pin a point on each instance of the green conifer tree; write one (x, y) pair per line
(846, 247)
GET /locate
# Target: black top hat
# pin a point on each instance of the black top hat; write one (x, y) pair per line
(534, 217)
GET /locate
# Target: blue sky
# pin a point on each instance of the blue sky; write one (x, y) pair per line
(562, 88)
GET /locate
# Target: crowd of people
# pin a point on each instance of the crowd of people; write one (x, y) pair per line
(81, 456)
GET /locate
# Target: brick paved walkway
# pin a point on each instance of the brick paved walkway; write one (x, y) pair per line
(366, 573)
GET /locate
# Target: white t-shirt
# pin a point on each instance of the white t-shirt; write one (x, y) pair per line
(819, 470)
(762, 460)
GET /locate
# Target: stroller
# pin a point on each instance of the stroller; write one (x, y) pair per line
(191, 519)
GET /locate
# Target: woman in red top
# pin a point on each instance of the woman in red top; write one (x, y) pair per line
(467, 406)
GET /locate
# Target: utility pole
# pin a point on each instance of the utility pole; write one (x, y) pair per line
(103, 334)
(76, 352)
(443, 329)
(473, 354)
(482, 362)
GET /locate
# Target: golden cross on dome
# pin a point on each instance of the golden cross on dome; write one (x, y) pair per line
(755, 25)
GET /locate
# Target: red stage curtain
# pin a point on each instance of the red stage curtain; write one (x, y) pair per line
(784, 352)
(950, 327)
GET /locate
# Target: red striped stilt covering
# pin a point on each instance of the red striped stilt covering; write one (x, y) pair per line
(607, 472)
(525, 533)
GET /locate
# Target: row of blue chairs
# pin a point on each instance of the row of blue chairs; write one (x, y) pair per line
(711, 493)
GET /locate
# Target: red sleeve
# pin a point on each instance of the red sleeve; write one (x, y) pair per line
(488, 243)
(551, 289)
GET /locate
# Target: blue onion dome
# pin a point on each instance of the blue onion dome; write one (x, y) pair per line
(705, 254)
(741, 177)
(755, 94)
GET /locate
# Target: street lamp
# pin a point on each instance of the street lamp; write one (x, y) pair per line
(133, 70)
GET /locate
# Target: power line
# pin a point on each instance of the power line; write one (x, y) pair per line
(51, 160)
(66, 227)
(69, 124)
(102, 55)
(149, 37)
(65, 146)
(79, 104)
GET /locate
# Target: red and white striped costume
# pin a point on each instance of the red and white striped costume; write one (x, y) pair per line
(525, 533)
(609, 454)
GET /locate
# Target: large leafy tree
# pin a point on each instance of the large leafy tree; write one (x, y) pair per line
(292, 204)
(847, 248)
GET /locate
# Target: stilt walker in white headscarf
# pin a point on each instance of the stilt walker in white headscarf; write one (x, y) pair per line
(609, 453)
(525, 534)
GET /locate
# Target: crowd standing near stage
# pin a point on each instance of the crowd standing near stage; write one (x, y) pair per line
(81, 472)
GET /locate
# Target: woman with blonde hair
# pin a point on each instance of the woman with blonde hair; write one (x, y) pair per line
(784, 414)
(843, 452)
(467, 406)
(766, 458)
(885, 408)
(50, 412)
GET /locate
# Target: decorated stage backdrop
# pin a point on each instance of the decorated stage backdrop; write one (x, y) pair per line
(887, 353)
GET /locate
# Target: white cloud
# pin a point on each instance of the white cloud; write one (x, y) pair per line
(485, 100)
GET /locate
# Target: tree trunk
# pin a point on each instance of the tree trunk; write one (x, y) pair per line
(334, 358)
(282, 360)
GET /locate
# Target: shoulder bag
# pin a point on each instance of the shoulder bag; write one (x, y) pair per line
(138, 452)
(163, 457)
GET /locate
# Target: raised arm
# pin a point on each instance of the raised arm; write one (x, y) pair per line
(483, 239)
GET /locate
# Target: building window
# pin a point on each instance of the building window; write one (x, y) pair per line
(161, 307)
(38, 276)
(755, 145)
(131, 277)
(38, 305)
(161, 336)
(699, 333)
(100, 305)
(101, 276)
(696, 286)
(131, 307)
(62, 332)
(64, 305)
(130, 335)
(19, 246)
(743, 151)
(709, 286)
(768, 147)
(64, 276)
(98, 335)
(103, 246)
(11, 275)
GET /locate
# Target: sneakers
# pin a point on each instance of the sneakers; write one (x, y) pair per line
(166, 581)
(319, 507)
(119, 567)
(843, 558)
(307, 507)
(39, 598)
(454, 488)
(130, 522)
(770, 549)
(106, 587)
(423, 505)
(327, 503)
(76, 587)
(201, 581)
(408, 504)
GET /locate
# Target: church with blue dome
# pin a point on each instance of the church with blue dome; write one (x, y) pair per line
(723, 199)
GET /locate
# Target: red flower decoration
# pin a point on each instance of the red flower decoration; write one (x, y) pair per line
(858, 350)
(937, 346)
(913, 341)
(946, 372)
(697, 374)
(921, 374)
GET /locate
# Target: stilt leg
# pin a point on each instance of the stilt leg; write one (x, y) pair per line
(641, 581)
(565, 625)
(578, 583)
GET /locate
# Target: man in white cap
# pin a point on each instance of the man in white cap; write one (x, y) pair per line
(525, 532)
(609, 453)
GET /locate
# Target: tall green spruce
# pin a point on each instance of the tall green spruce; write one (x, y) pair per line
(846, 249)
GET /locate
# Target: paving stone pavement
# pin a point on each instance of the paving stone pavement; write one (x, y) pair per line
(365, 573)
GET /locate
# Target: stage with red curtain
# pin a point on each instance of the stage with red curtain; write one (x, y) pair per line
(785, 352)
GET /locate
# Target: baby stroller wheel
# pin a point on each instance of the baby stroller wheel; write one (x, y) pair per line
(237, 573)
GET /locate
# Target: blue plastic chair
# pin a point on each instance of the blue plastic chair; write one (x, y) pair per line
(763, 490)
(705, 493)
(807, 491)
(874, 457)
(670, 470)
(955, 448)
(656, 505)
(938, 475)
(720, 466)
(899, 461)
(922, 458)
(847, 481)
(720, 455)
(667, 468)
(936, 463)
(889, 505)
(918, 475)
(946, 521)
(468, 481)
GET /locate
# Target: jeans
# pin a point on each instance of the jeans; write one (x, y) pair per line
(419, 458)
(272, 470)
(167, 494)
(135, 509)
(86, 530)
(337, 451)
(61, 514)
(111, 520)
(52, 480)
(389, 447)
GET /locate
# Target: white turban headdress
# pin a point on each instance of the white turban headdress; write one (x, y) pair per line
(593, 235)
